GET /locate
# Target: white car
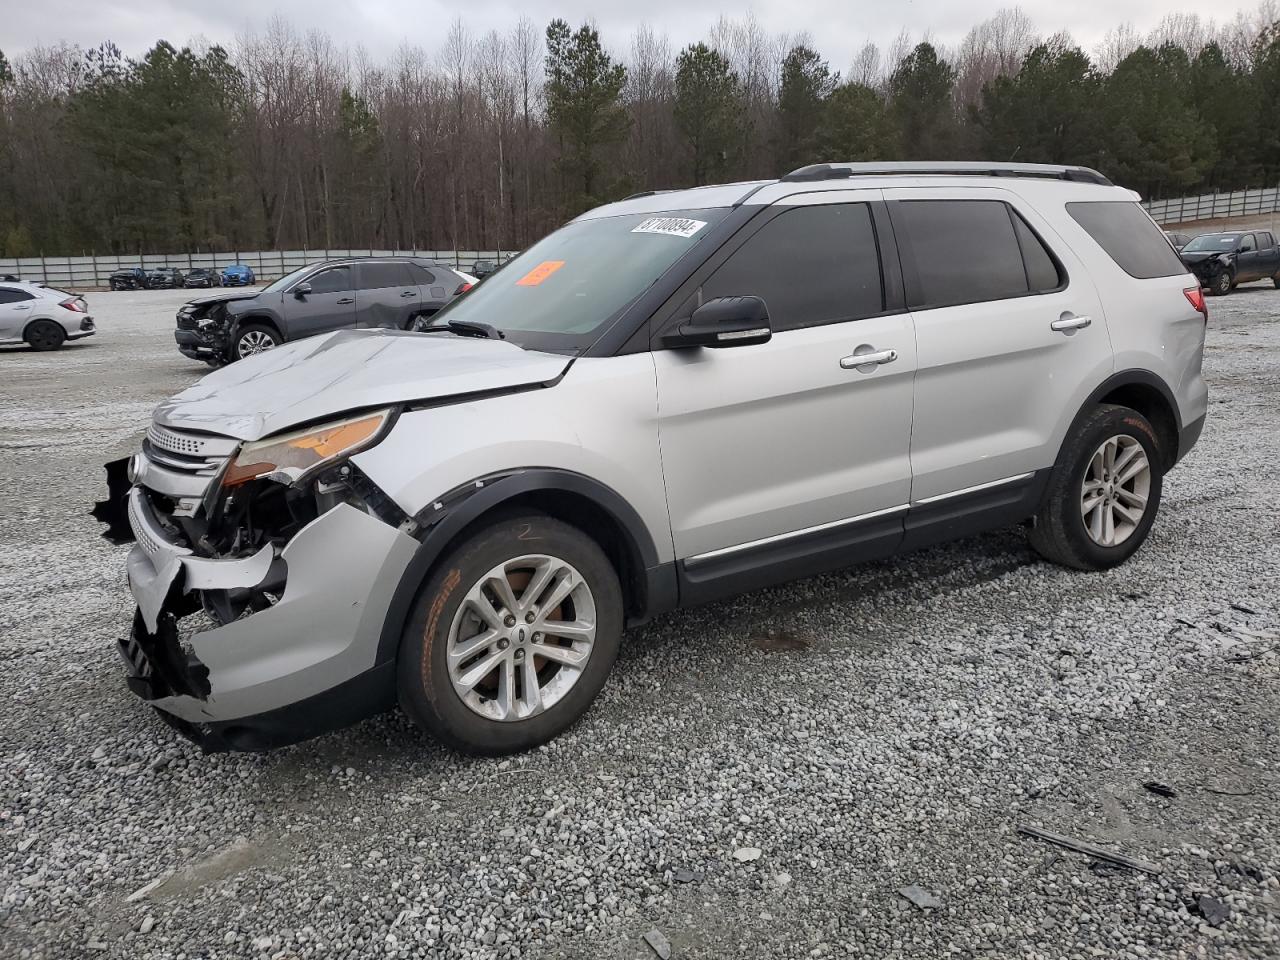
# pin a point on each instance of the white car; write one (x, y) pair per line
(42, 317)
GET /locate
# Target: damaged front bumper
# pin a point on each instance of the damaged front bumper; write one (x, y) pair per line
(304, 664)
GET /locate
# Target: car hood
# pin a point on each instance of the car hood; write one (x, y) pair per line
(329, 375)
(213, 298)
(1200, 256)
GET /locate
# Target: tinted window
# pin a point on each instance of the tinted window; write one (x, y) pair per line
(9, 295)
(1266, 240)
(1129, 236)
(966, 251)
(421, 274)
(1043, 272)
(335, 280)
(1247, 244)
(810, 265)
(376, 275)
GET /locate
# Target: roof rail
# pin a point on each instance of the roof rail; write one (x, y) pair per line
(970, 168)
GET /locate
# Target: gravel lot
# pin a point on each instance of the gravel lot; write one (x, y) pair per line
(886, 726)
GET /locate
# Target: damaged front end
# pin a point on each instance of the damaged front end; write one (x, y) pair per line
(262, 571)
(203, 330)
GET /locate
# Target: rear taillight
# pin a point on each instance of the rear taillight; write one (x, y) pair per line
(74, 306)
(462, 289)
(1195, 297)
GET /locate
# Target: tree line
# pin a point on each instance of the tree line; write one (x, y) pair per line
(288, 141)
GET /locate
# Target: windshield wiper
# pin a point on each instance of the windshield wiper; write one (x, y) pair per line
(474, 328)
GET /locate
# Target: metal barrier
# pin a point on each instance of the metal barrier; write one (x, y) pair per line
(1215, 206)
(92, 271)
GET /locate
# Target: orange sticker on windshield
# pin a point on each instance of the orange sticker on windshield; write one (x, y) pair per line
(539, 273)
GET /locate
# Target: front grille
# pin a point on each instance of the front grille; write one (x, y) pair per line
(195, 445)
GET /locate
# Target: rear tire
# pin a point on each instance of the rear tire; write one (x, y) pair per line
(1276, 280)
(475, 666)
(1094, 517)
(45, 335)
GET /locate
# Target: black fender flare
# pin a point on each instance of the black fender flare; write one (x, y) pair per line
(1126, 378)
(465, 504)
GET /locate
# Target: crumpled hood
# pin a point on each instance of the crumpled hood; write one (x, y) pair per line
(1200, 256)
(222, 298)
(351, 369)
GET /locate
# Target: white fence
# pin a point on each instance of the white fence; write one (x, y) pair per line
(88, 272)
(1215, 206)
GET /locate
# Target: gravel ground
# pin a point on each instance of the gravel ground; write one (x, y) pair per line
(887, 726)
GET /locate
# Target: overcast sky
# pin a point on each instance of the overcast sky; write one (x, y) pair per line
(838, 27)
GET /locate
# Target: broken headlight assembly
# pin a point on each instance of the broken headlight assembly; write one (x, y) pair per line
(272, 488)
(294, 458)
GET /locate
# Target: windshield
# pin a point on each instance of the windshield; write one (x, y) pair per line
(563, 292)
(284, 281)
(1212, 241)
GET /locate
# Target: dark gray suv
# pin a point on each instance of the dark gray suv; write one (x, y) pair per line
(390, 292)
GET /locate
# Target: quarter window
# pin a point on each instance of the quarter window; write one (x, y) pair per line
(421, 274)
(1129, 236)
(333, 280)
(811, 266)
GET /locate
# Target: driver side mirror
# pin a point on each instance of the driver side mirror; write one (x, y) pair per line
(301, 290)
(724, 322)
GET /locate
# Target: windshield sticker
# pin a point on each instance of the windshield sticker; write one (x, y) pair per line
(539, 273)
(671, 226)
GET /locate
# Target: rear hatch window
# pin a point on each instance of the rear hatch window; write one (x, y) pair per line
(1130, 237)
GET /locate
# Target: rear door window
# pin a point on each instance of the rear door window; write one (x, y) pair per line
(1130, 237)
(968, 251)
(375, 276)
(811, 265)
(10, 295)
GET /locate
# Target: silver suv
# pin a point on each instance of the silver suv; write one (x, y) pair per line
(672, 399)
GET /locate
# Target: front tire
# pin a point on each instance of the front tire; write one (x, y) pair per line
(252, 339)
(45, 335)
(511, 637)
(1103, 494)
(1221, 285)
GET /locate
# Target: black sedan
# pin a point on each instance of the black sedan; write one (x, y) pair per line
(200, 277)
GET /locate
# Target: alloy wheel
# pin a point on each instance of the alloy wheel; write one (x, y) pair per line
(1116, 487)
(254, 341)
(521, 637)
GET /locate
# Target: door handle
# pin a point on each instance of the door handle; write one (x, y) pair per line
(855, 360)
(22, 306)
(345, 300)
(408, 293)
(1067, 322)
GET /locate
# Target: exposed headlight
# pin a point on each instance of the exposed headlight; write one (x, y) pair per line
(294, 456)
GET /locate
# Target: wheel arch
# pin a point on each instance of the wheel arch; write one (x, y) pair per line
(257, 317)
(1147, 393)
(42, 319)
(648, 586)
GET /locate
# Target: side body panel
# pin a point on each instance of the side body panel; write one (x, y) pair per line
(996, 385)
(766, 440)
(600, 420)
(1152, 325)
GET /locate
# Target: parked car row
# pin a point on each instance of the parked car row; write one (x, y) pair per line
(168, 278)
(1222, 261)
